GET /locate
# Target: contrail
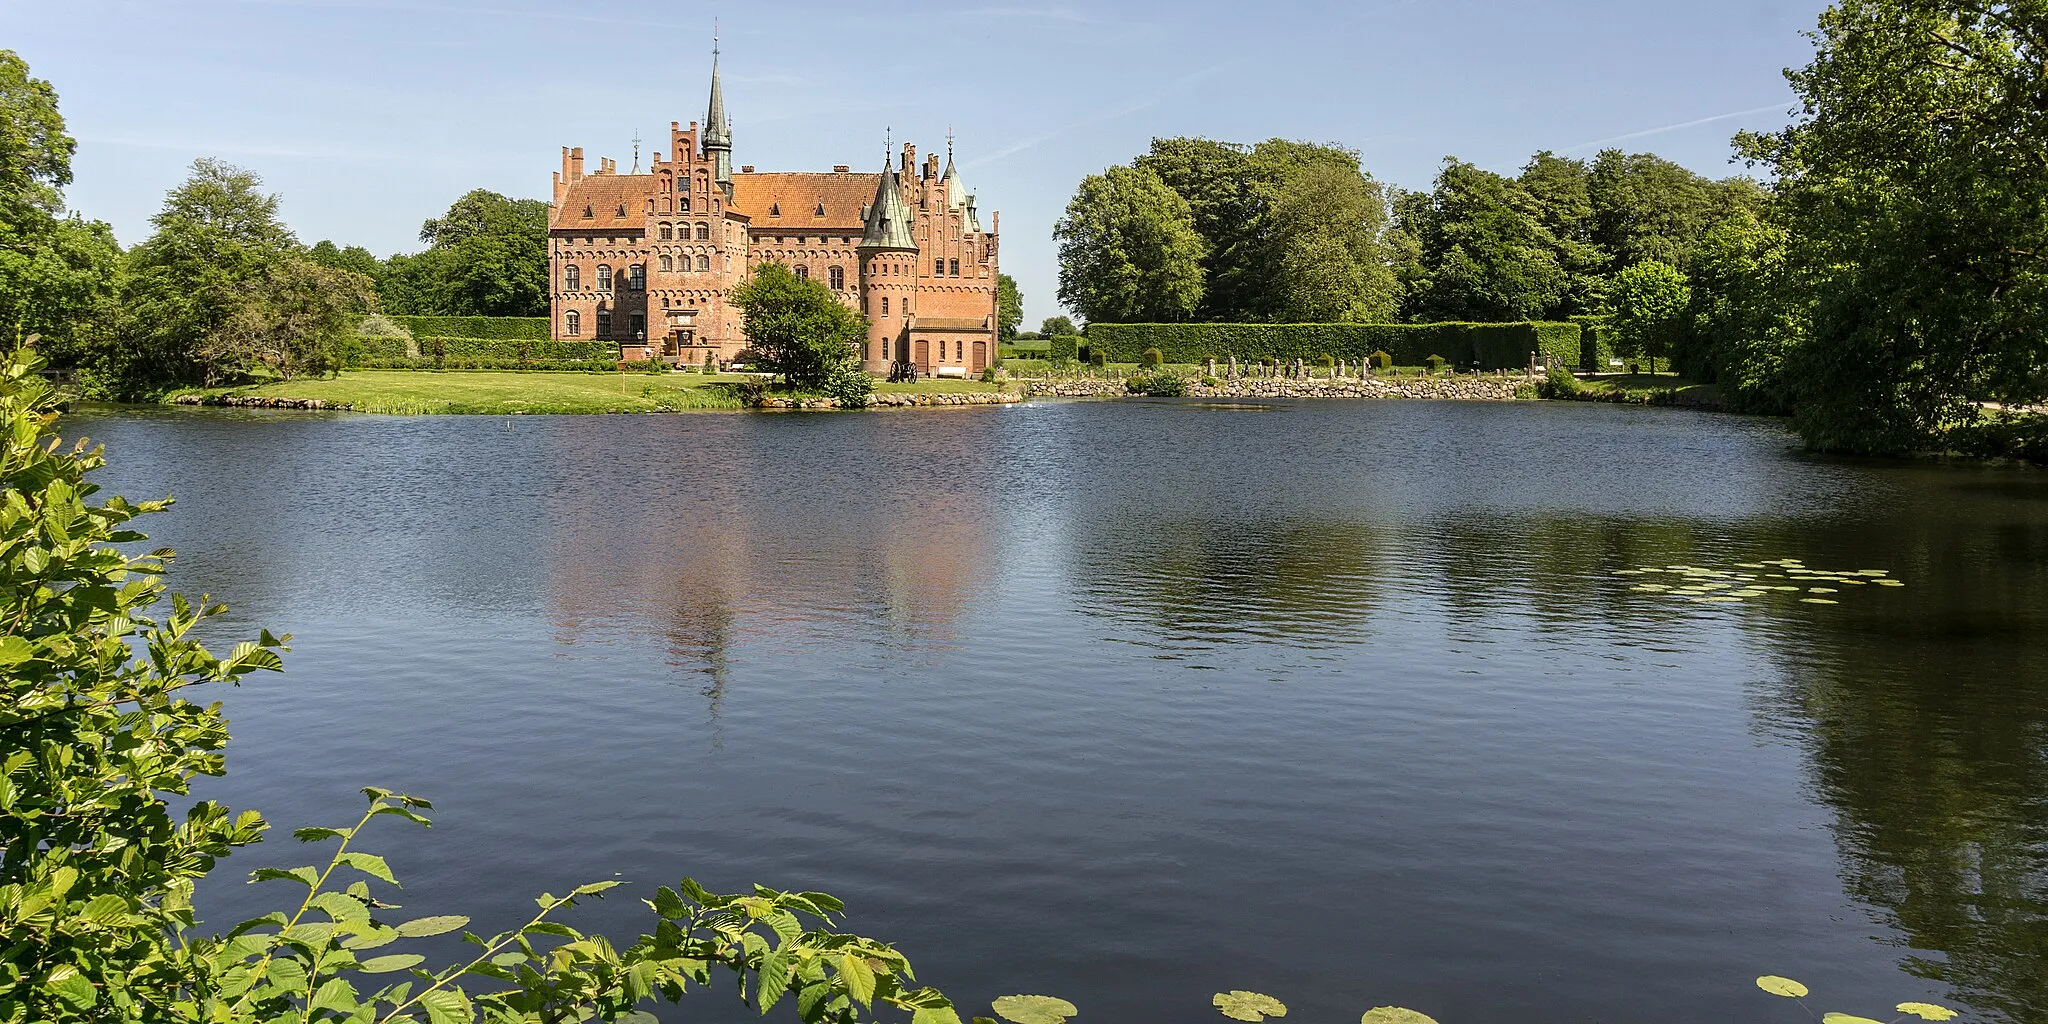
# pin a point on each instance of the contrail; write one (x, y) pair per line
(1676, 127)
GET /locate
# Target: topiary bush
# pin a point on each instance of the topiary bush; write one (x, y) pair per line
(1157, 384)
(1382, 360)
(1436, 364)
(1151, 357)
(1326, 361)
(1559, 383)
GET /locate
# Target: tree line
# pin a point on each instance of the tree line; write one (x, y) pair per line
(222, 287)
(1880, 278)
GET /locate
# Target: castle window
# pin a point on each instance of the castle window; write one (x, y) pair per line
(667, 266)
(637, 277)
(572, 280)
(775, 209)
(885, 305)
(703, 232)
(685, 204)
(622, 210)
(803, 273)
(639, 327)
(572, 323)
(820, 211)
(954, 269)
(668, 232)
(604, 323)
(703, 264)
(604, 277)
(938, 268)
(587, 214)
(837, 277)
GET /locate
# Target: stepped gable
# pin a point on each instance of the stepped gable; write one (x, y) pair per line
(604, 195)
(843, 194)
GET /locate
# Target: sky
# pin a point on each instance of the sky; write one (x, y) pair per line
(371, 116)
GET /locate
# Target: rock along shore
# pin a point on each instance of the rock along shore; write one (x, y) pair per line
(1468, 388)
(261, 402)
(888, 401)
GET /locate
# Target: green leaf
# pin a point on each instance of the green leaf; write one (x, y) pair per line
(445, 1006)
(1927, 1011)
(336, 995)
(420, 928)
(72, 987)
(104, 908)
(394, 962)
(369, 864)
(307, 877)
(1394, 1015)
(668, 904)
(1781, 986)
(859, 978)
(1034, 1009)
(1238, 1004)
(934, 1015)
(314, 835)
(13, 651)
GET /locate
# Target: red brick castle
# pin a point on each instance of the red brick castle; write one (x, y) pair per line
(650, 260)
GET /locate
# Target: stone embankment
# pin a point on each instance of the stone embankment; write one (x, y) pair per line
(262, 402)
(888, 401)
(1468, 388)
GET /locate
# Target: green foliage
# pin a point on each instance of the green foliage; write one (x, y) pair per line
(1065, 346)
(1482, 253)
(1158, 383)
(1129, 249)
(290, 320)
(1917, 205)
(1034, 1009)
(1150, 357)
(487, 256)
(710, 363)
(797, 326)
(355, 259)
(1436, 364)
(1746, 315)
(494, 328)
(1382, 360)
(1559, 383)
(1009, 307)
(1489, 346)
(1648, 303)
(855, 388)
(1057, 327)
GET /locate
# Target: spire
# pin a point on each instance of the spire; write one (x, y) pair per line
(888, 224)
(956, 190)
(718, 127)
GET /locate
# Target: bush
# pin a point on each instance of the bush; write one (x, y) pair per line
(1326, 361)
(1488, 346)
(1559, 383)
(1382, 361)
(988, 375)
(449, 348)
(366, 350)
(377, 325)
(494, 328)
(1151, 357)
(710, 363)
(1158, 384)
(1098, 359)
(1436, 364)
(1064, 347)
(851, 386)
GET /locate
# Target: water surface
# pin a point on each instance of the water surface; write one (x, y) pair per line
(1134, 702)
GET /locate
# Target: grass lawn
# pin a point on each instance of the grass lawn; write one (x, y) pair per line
(496, 393)
(1644, 387)
(934, 386)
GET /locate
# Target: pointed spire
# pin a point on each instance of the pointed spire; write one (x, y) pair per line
(888, 221)
(718, 127)
(956, 190)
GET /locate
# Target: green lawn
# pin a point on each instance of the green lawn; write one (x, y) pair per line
(1645, 388)
(492, 393)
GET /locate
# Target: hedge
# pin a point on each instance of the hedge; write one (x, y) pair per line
(494, 328)
(1068, 346)
(360, 351)
(1488, 346)
(1596, 348)
(551, 365)
(492, 348)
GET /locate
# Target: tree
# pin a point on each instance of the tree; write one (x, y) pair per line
(58, 274)
(1648, 304)
(1746, 314)
(217, 234)
(1009, 307)
(1644, 207)
(1057, 327)
(799, 328)
(1129, 251)
(355, 259)
(1486, 255)
(1915, 192)
(290, 318)
(1328, 221)
(1561, 190)
(487, 256)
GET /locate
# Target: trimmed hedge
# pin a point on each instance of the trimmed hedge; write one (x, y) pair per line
(1067, 347)
(514, 351)
(537, 365)
(1489, 346)
(1596, 345)
(475, 353)
(361, 351)
(493, 328)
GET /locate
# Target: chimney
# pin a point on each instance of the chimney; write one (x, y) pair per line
(841, 169)
(931, 167)
(576, 164)
(746, 168)
(909, 159)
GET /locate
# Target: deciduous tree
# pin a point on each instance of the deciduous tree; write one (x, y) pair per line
(1648, 303)
(1129, 251)
(797, 326)
(1009, 307)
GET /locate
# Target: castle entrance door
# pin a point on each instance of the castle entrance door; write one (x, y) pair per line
(980, 356)
(923, 352)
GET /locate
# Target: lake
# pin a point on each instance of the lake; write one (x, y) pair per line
(1135, 702)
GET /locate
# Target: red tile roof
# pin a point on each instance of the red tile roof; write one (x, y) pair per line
(604, 195)
(799, 195)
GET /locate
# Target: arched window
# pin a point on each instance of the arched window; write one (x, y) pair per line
(703, 264)
(668, 232)
(636, 277)
(572, 323)
(703, 232)
(837, 277)
(572, 280)
(667, 265)
(604, 277)
(803, 273)
(685, 204)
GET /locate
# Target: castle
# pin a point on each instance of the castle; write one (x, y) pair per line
(649, 260)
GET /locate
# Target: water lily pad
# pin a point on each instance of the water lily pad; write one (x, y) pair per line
(1846, 1018)
(1817, 600)
(1749, 565)
(1034, 1009)
(1717, 600)
(1249, 1006)
(1822, 590)
(1394, 1015)
(1927, 1011)
(1781, 986)
(1890, 583)
(1651, 588)
(1747, 593)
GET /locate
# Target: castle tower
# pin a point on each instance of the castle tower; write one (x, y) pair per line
(718, 131)
(888, 275)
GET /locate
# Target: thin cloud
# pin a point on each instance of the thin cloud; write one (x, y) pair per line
(467, 11)
(240, 149)
(1646, 133)
(1180, 85)
(1067, 15)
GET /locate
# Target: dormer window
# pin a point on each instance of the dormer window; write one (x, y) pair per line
(587, 214)
(775, 210)
(820, 211)
(622, 211)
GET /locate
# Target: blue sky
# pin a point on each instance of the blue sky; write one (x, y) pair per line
(370, 116)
